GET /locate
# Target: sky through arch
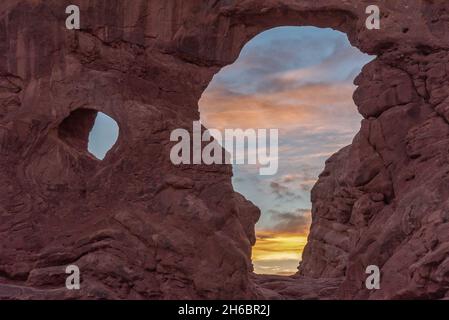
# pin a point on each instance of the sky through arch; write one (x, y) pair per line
(299, 80)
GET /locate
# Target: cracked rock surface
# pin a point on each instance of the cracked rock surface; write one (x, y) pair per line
(139, 227)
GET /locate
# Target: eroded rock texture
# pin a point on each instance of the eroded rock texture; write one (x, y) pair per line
(141, 228)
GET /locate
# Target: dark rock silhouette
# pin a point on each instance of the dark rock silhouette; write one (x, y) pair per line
(139, 227)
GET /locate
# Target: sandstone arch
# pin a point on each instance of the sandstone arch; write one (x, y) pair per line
(146, 229)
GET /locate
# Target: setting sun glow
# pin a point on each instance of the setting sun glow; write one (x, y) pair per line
(278, 253)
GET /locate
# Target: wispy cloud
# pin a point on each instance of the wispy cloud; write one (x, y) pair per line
(310, 107)
(305, 180)
(282, 191)
(297, 222)
(317, 55)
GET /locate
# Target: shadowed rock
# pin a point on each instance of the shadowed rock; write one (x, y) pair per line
(141, 228)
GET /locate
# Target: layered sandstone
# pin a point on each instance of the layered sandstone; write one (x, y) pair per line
(138, 226)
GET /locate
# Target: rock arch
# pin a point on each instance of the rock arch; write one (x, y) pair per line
(148, 230)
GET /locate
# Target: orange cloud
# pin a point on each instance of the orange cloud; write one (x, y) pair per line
(279, 249)
(278, 253)
(310, 105)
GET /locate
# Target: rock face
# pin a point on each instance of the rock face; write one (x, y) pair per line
(139, 227)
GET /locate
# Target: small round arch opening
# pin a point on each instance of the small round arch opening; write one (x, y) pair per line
(89, 131)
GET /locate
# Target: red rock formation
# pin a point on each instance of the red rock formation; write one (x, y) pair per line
(139, 227)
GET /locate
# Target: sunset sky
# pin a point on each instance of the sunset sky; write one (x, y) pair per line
(300, 81)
